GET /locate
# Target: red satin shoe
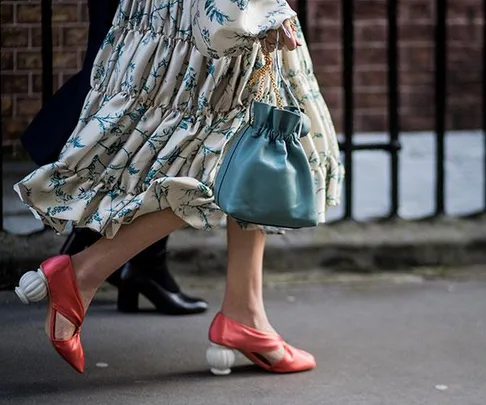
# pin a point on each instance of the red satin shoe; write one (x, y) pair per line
(56, 279)
(227, 335)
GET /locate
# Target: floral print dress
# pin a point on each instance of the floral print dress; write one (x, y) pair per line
(169, 90)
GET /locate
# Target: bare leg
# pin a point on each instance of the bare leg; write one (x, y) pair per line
(95, 264)
(243, 299)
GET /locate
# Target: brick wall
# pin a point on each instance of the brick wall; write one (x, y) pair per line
(416, 52)
(21, 60)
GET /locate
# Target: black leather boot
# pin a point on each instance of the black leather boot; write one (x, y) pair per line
(78, 240)
(145, 274)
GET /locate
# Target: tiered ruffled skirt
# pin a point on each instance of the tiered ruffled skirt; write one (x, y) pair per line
(154, 127)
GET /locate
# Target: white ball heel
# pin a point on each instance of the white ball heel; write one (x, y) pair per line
(220, 359)
(32, 287)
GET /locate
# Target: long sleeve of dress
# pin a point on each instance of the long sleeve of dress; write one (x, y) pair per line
(231, 27)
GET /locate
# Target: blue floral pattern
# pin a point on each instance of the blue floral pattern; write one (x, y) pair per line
(155, 125)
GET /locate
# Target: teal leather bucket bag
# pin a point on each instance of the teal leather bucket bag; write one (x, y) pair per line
(265, 177)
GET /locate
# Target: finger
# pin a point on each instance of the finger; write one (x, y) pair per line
(293, 26)
(289, 35)
(290, 25)
(289, 39)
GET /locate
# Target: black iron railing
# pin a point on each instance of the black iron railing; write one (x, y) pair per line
(348, 146)
(1, 174)
(347, 12)
(440, 102)
(484, 99)
(47, 50)
(393, 145)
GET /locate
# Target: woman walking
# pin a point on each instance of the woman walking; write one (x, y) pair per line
(170, 88)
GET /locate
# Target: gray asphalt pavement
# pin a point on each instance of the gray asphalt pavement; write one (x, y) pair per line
(412, 343)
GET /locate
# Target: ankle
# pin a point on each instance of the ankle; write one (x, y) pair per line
(87, 284)
(253, 317)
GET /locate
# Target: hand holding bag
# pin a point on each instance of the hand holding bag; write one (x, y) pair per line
(265, 177)
(232, 27)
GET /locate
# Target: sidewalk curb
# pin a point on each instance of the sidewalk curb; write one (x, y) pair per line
(343, 246)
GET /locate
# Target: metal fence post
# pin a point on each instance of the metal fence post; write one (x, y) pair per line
(1, 175)
(393, 104)
(484, 103)
(348, 113)
(47, 51)
(440, 102)
(303, 17)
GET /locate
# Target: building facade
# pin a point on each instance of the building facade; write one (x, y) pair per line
(21, 61)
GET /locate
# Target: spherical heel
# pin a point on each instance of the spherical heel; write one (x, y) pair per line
(220, 358)
(32, 287)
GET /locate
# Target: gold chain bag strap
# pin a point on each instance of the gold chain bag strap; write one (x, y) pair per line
(260, 74)
(268, 69)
